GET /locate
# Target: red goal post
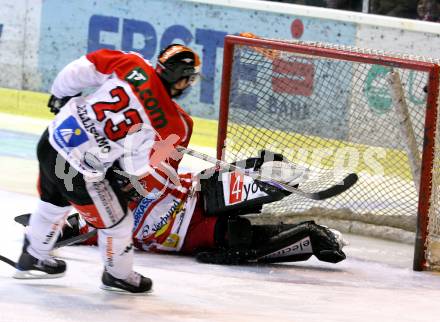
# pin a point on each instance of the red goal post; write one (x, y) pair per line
(292, 95)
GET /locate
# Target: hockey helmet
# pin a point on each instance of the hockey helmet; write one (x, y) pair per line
(176, 62)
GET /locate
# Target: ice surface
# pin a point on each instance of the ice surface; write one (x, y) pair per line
(375, 283)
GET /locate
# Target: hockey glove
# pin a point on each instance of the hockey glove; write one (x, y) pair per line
(55, 104)
(122, 182)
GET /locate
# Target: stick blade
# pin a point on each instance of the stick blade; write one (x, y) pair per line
(336, 189)
(22, 219)
(75, 240)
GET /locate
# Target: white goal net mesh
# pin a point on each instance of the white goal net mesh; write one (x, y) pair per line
(327, 109)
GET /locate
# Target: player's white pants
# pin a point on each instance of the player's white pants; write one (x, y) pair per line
(115, 244)
(45, 225)
(116, 248)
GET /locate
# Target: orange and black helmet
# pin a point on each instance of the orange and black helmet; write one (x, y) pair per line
(176, 62)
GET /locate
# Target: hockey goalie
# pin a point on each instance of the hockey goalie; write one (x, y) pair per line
(204, 215)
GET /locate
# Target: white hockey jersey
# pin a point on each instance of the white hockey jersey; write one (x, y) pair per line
(128, 114)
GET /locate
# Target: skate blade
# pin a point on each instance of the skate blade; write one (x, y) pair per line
(121, 291)
(35, 274)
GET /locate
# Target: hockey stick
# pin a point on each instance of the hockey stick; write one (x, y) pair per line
(332, 191)
(8, 261)
(76, 239)
(24, 220)
(62, 243)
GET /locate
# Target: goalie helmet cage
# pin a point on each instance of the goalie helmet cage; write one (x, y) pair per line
(331, 106)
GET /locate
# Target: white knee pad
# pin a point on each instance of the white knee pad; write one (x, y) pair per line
(116, 248)
(45, 225)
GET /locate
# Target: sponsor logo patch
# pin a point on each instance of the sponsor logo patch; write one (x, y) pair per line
(89, 125)
(239, 188)
(136, 77)
(159, 226)
(304, 246)
(109, 252)
(69, 134)
(101, 190)
(235, 187)
(171, 241)
(140, 210)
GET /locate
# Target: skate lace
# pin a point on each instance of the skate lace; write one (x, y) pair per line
(134, 278)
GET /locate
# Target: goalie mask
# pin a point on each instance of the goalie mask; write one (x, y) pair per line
(177, 62)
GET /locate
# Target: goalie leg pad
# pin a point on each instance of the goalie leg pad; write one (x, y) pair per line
(239, 232)
(233, 232)
(233, 237)
(274, 244)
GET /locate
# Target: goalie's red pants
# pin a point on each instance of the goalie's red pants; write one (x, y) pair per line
(201, 231)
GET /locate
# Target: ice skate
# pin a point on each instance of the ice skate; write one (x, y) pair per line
(135, 283)
(30, 267)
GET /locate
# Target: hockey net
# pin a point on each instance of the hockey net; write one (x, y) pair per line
(325, 107)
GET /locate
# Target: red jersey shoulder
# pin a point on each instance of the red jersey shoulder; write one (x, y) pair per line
(108, 61)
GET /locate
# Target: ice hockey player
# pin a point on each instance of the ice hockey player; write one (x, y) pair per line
(131, 107)
(210, 223)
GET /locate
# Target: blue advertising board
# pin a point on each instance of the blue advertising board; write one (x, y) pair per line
(70, 29)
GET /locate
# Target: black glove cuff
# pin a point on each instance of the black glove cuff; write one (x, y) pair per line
(55, 104)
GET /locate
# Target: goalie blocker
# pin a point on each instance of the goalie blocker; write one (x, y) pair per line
(229, 195)
(226, 192)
